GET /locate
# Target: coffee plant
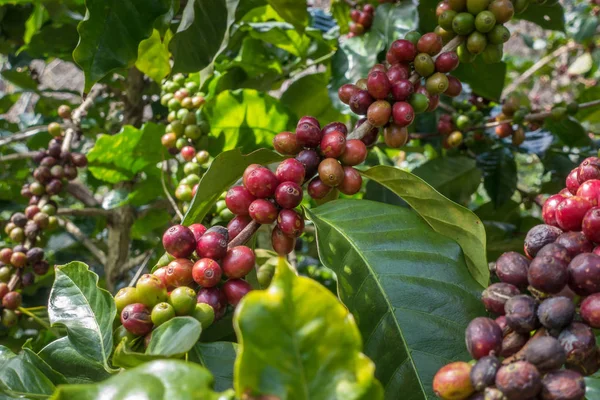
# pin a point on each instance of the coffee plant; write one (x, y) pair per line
(281, 200)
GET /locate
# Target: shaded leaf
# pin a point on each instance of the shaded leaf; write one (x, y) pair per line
(292, 11)
(126, 356)
(487, 80)
(218, 358)
(21, 79)
(19, 377)
(547, 17)
(499, 174)
(175, 337)
(569, 131)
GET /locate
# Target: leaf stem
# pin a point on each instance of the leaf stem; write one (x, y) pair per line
(39, 320)
(164, 186)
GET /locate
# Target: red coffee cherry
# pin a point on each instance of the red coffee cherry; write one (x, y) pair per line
(398, 72)
(290, 223)
(309, 135)
(571, 182)
(215, 298)
(286, 143)
(188, 153)
(355, 153)
(334, 143)
(290, 170)
(379, 114)
(483, 337)
(575, 243)
(198, 230)
(263, 211)
(351, 183)
(402, 113)
(590, 310)
(261, 182)
(549, 209)
(238, 262)
(402, 89)
(238, 200)
(179, 241)
(504, 130)
(591, 224)
(212, 245)
(282, 244)
(310, 159)
(403, 50)
(334, 126)
(430, 43)
(446, 62)
(288, 195)
(588, 169)
(207, 272)
(584, 274)
(317, 189)
(378, 85)
(590, 190)
(12, 300)
(331, 172)
(235, 290)
(307, 119)
(136, 319)
(453, 381)
(237, 224)
(570, 212)
(179, 272)
(345, 92)
(360, 102)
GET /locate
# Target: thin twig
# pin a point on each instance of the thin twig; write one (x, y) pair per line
(15, 279)
(82, 193)
(447, 108)
(17, 156)
(84, 212)
(76, 116)
(244, 235)
(166, 190)
(76, 232)
(24, 134)
(147, 257)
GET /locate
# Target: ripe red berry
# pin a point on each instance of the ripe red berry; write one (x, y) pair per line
(288, 195)
(188, 153)
(352, 181)
(504, 130)
(398, 72)
(179, 241)
(590, 190)
(570, 212)
(317, 189)
(238, 262)
(5, 255)
(290, 170)
(198, 230)
(584, 274)
(430, 43)
(235, 289)
(4, 289)
(588, 169)
(446, 62)
(571, 182)
(263, 211)
(454, 86)
(445, 127)
(136, 319)
(575, 243)
(286, 143)
(378, 67)
(346, 91)
(402, 89)
(308, 135)
(494, 297)
(261, 182)
(281, 243)
(403, 50)
(290, 222)
(179, 272)
(212, 245)
(238, 199)
(206, 272)
(12, 300)
(371, 136)
(378, 85)
(355, 153)
(511, 267)
(549, 209)
(453, 381)
(360, 102)
(237, 224)
(307, 119)
(310, 159)
(331, 172)
(354, 15)
(483, 336)
(334, 126)
(379, 113)
(591, 224)
(18, 259)
(161, 273)
(402, 113)
(333, 144)
(547, 274)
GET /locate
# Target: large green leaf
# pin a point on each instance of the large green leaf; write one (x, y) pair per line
(455, 177)
(547, 17)
(218, 358)
(154, 57)
(111, 32)
(157, 380)
(591, 114)
(393, 21)
(126, 356)
(443, 215)
(487, 80)
(245, 119)
(499, 174)
(85, 310)
(592, 387)
(202, 34)
(308, 96)
(224, 171)
(293, 11)
(322, 357)
(340, 11)
(116, 158)
(282, 35)
(407, 286)
(175, 337)
(569, 131)
(427, 18)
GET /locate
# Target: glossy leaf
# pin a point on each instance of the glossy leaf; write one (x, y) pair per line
(341, 12)
(282, 35)
(569, 131)
(111, 32)
(478, 75)
(427, 18)
(499, 174)
(323, 359)
(218, 358)
(157, 380)
(116, 158)
(444, 216)
(85, 310)
(392, 21)
(292, 11)
(126, 356)
(175, 337)
(224, 171)
(245, 119)
(202, 33)
(455, 177)
(154, 57)
(547, 17)
(407, 286)
(19, 377)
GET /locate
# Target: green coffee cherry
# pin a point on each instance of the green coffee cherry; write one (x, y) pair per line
(184, 193)
(463, 23)
(179, 79)
(437, 83)
(498, 35)
(176, 127)
(193, 132)
(5, 273)
(446, 35)
(174, 105)
(492, 54)
(463, 122)
(124, 297)
(477, 6)
(151, 290)
(519, 116)
(164, 100)
(445, 19)
(161, 313)
(464, 56)
(476, 43)
(202, 157)
(424, 64)
(192, 87)
(485, 21)
(181, 143)
(413, 37)
(191, 168)
(204, 313)
(520, 5)
(182, 114)
(183, 300)
(419, 102)
(191, 180)
(189, 119)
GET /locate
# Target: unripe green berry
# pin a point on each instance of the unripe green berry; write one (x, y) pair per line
(498, 35)
(181, 143)
(437, 83)
(476, 42)
(189, 119)
(176, 127)
(183, 300)
(520, 5)
(463, 122)
(446, 18)
(161, 313)
(202, 157)
(477, 6)
(204, 313)
(419, 102)
(464, 56)
(424, 64)
(183, 193)
(191, 168)
(150, 290)
(193, 132)
(164, 100)
(179, 79)
(413, 37)
(519, 116)
(191, 179)
(55, 129)
(485, 21)
(463, 23)
(492, 54)
(174, 105)
(193, 87)
(124, 297)
(446, 35)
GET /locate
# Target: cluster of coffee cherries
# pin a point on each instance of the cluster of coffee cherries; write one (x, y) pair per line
(362, 19)
(554, 291)
(447, 128)
(389, 96)
(193, 170)
(186, 126)
(480, 22)
(202, 278)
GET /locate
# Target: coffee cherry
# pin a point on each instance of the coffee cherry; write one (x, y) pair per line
(547, 274)
(41, 267)
(64, 111)
(572, 183)
(5, 255)
(19, 219)
(513, 342)
(584, 274)
(403, 50)
(345, 92)
(238, 200)
(136, 319)
(453, 382)
(555, 313)
(402, 89)
(183, 300)
(12, 300)
(549, 209)
(55, 129)
(215, 298)
(360, 102)
(333, 144)
(331, 172)
(402, 113)
(9, 318)
(286, 143)
(235, 290)
(281, 243)
(483, 337)
(519, 381)
(424, 65)
(545, 353)
(477, 6)
(492, 54)
(591, 224)
(333, 127)
(214, 244)
(125, 297)
(589, 169)
(483, 373)
(179, 241)
(395, 136)
(17, 235)
(198, 230)
(291, 170)
(290, 223)
(310, 159)
(351, 183)
(237, 224)
(445, 19)
(308, 134)
(398, 72)
(590, 310)
(206, 272)
(556, 251)
(446, 62)
(579, 343)
(355, 153)
(520, 312)
(512, 268)
(202, 157)
(163, 312)
(4, 290)
(437, 83)
(317, 189)
(503, 10)
(371, 136)
(485, 21)
(307, 119)
(563, 385)
(476, 42)
(238, 262)
(495, 296)
(150, 290)
(378, 85)
(538, 237)
(590, 190)
(288, 195)
(179, 272)
(454, 86)
(570, 213)
(184, 193)
(263, 211)
(204, 314)
(261, 182)
(379, 113)
(463, 23)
